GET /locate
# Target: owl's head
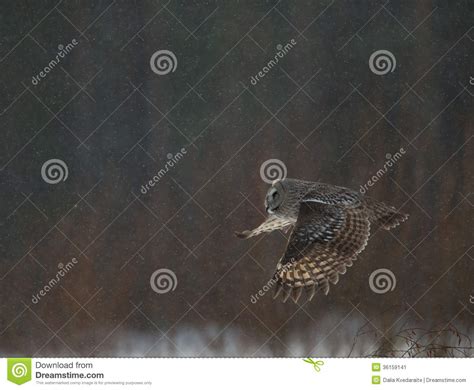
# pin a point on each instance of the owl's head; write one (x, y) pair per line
(275, 197)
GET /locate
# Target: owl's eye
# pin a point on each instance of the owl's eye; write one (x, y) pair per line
(275, 194)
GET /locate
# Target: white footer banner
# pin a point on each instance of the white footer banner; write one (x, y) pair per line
(235, 373)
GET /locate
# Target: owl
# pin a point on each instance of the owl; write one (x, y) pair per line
(331, 226)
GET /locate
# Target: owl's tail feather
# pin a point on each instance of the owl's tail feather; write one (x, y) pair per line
(384, 216)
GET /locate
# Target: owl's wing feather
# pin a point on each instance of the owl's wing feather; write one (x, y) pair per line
(325, 241)
(270, 224)
(332, 195)
(386, 217)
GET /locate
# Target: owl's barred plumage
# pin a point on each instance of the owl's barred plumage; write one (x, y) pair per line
(331, 226)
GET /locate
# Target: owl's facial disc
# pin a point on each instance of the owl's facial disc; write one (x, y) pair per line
(273, 199)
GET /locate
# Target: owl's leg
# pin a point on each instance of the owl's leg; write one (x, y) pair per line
(272, 223)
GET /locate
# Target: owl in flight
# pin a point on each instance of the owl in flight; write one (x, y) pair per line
(331, 226)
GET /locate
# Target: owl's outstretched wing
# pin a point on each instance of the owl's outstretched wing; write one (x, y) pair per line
(325, 240)
(270, 224)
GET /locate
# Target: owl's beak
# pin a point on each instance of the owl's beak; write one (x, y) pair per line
(268, 210)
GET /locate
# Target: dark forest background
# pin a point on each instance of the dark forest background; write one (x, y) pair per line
(320, 110)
